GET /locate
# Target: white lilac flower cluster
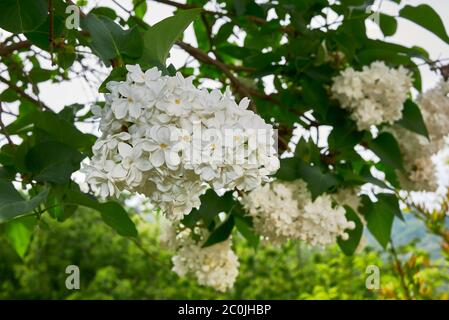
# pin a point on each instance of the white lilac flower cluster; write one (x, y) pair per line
(374, 95)
(417, 151)
(166, 139)
(285, 210)
(417, 158)
(434, 104)
(215, 266)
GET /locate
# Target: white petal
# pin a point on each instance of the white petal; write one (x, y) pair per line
(134, 110)
(143, 165)
(124, 149)
(118, 172)
(149, 146)
(152, 74)
(120, 108)
(157, 158)
(172, 158)
(164, 134)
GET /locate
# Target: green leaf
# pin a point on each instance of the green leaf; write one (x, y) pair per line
(9, 95)
(18, 16)
(66, 57)
(23, 121)
(40, 36)
(159, 39)
(140, 8)
(104, 11)
(390, 202)
(315, 96)
(53, 161)
(343, 138)
(116, 217)
(221, 233)
(18, 232)
(379, 219)
(211, 206)
(387, 149)
(288, 170)
(223, 33)
(412, 119)
(111, 212)
(57, 209)
(349, 246)
(12, 204)
(307, 151)
(388, 24)
(117, 74)
(244, 226)
(426, 17)
(54, 125)
(201, 35)
(317, 181)
(110, 41)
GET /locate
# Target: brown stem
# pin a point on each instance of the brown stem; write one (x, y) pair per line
(23, 94)
(401, 273)
(203, 57)
(3, 127)
(51, 31)
(254, 19)
(7, 50)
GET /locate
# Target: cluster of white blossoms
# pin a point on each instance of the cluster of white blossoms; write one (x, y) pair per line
(285, 210)
(215, 266)
(418, 152)
(166, 139)
(417, 158)
(374, 95)
(434, 105)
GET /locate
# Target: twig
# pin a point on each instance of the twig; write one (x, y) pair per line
(7, 50)
(3, 128)
(400, 271)
(203, 57)
(122, 7)
(254, 19)
(51, 30)
(23, 94)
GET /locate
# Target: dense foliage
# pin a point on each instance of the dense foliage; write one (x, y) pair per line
(358, 100)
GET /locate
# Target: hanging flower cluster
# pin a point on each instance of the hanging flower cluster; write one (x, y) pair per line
(285, 210)
(434, 104)
(417, 157)
(215, 266)
(418, 151)
(166, 139)
(374, 95)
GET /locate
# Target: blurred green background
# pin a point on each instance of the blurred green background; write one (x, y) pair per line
(113, 267)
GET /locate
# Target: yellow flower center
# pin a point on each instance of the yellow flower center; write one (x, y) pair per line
(178, 101)
(163, 145)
